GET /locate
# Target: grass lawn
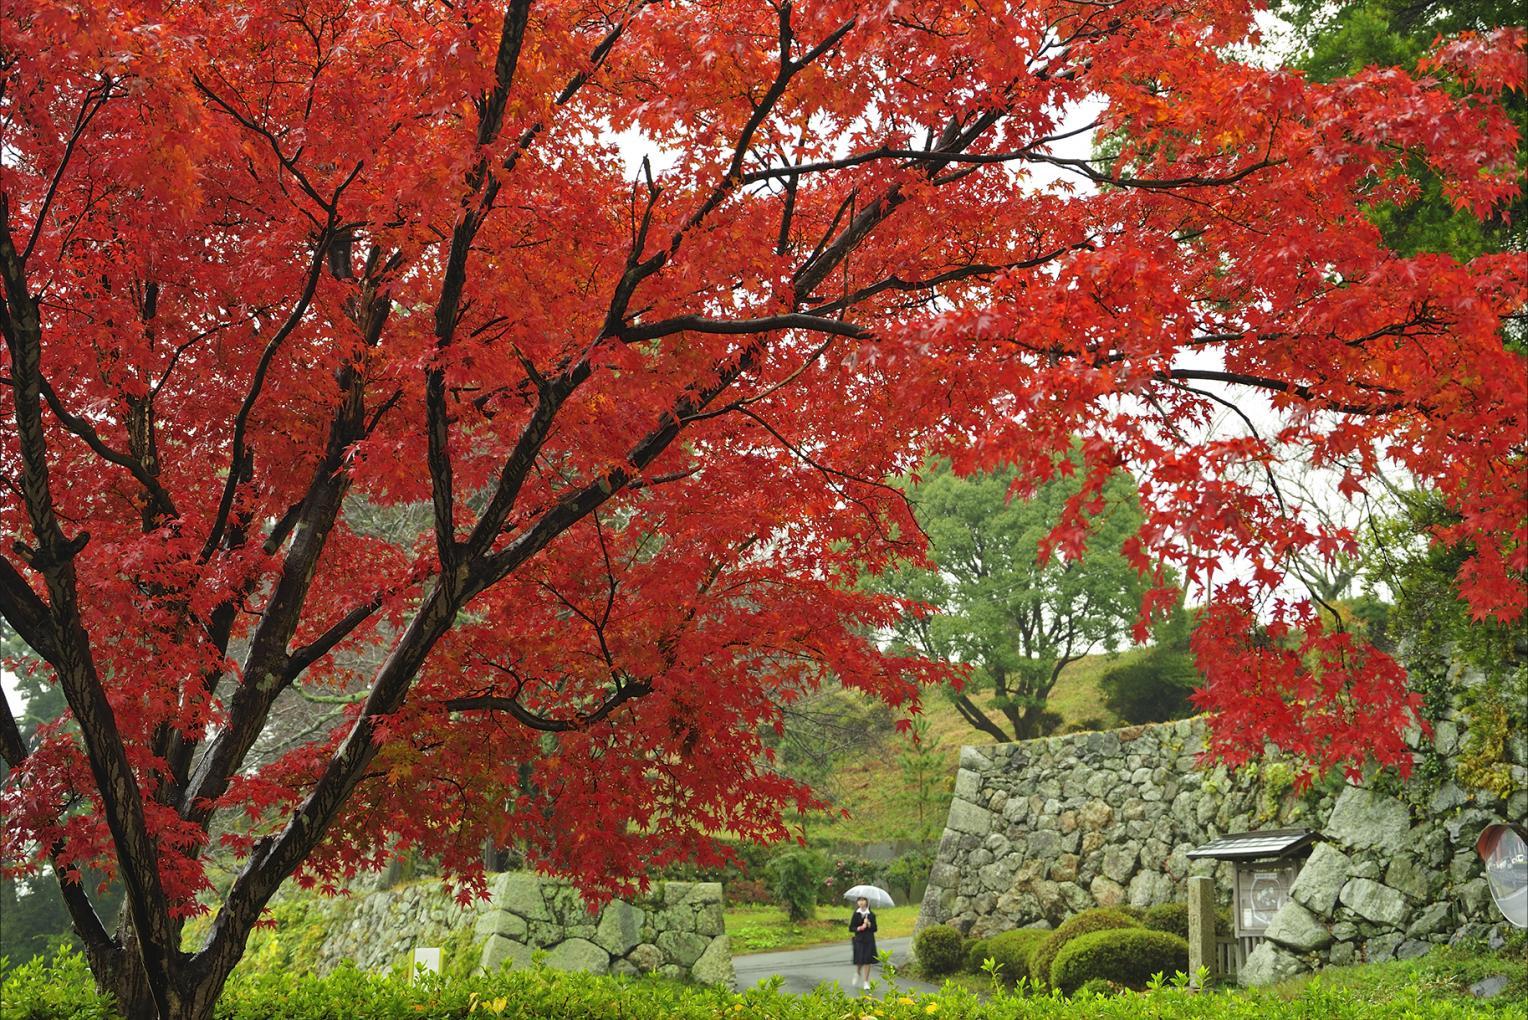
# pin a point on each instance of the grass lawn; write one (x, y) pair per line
(765, 929)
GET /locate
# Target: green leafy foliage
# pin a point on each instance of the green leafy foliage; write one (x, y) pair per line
(846, 871)
(1431, 988)
(1126, 956)
(905, 873)
(940, 949)
(1098, 919)
(796, 878)
(1011, 950)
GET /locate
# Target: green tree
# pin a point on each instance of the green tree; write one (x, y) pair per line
(923, 773)
(1014, 618)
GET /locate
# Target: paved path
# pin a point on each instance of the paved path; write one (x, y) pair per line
(805, 969)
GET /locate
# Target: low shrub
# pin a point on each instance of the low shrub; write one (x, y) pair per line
(1012, 949)
(748, 890)
(1101, 986)
(909, 871)
(1173, 917)
(1430, 988)
(1126, 956)
(940, 949)
(1168, 917)
(1098, 919)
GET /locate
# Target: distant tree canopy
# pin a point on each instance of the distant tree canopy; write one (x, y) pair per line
(1012, 614)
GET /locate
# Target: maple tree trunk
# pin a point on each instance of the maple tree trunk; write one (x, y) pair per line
(124, 977)
(187, 998)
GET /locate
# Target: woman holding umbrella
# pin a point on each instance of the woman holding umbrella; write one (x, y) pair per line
(862, 929)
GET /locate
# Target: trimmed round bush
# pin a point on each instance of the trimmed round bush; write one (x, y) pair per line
(1126, 956)
(1012, 949)
(1173, 917)
(940, 949)
(1097, 919)
(977, 951)
(1168, 917)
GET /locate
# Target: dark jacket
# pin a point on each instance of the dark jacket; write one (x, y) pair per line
(864, 941)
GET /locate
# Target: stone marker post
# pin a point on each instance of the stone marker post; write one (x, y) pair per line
(1201, 925)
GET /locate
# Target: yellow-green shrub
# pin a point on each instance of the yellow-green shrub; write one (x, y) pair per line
(1098, 919)
(1125, 956)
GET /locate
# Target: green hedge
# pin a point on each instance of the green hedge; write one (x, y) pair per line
(1097, 919)
(1012, 950)
(60, 989)
(1125, 956)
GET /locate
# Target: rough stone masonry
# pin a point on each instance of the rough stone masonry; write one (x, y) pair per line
(1041, 829)
(677, 931)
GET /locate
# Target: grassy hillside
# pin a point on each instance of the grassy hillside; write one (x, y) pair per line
(870, 784)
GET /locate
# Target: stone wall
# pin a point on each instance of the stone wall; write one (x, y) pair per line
(677, 931)
(1042, 829)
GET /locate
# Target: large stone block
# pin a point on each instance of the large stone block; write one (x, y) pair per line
(1409, 877)
(968, 818)
(1095, 815)
(646, 957)
(1269, 964)
(521, 894)
(499, 951)
(1374, 902)
(714, 966)
(1119, 862)
(579, 955)
(1298, 928)
(1106, 892)
(494, 921)
(1044, 845)
(1321, 879)
(620, 928)
(1363, 819)
(1148, 888)
(683, 947)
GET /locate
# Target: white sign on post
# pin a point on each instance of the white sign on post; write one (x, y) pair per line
(426, 959)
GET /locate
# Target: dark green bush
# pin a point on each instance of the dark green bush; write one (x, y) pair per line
(1173, 917)
(1126, 956)
(977, 951)
(1168, 917)
(1012, 949)
(908, 872)
(1098, 919)
(940, 949)
(795, 879)
(1153, 688)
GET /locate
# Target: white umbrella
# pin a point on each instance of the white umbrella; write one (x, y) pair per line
(877, 896)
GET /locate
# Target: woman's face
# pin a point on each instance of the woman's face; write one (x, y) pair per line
(863, 903)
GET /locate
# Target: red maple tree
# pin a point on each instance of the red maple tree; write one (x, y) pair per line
(275, 270)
